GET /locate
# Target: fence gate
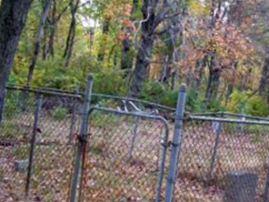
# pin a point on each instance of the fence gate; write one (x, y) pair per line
(125, 157)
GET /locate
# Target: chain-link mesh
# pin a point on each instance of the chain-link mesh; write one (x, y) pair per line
(222, 161)
(15, 133)
(53, 148)
(123, 158)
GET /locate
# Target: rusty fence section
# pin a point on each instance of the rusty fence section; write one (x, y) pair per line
(70, 146)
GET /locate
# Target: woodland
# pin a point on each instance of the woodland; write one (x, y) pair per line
(141, 48)
(59, 141)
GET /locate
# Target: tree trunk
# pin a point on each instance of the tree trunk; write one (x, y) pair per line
(13, 14)
(39, 37)
(166, 70)
(213, 80)
(72, 33)
(52, 30)
(199, 71)
(70, 43)
(50, 49)
(230, 87)
(105, 30)
(264, 82)
(214, 71)
(53, 24)
(126, 58)
(145, 50)
(135, 6)
(141, 68)
(174, 34)
(45, 45)
(92, 32)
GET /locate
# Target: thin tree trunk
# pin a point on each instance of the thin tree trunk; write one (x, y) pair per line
(264, 82)
(230, 87)
(13, 15)
(45, 45)
(52, 30)
(72, 33)
(70, 44)
(213, 80)
(165, 70)
(53, 24)
(39, 37)
(175, 34)
(105, 30)
(92, 32)
(199, 71)
(126, 58)
(50, 49)
(214, 71)
(135, 6)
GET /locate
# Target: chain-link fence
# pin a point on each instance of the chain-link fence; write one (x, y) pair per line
(126, 157)
(36, 150)
(62, 146)
(41, 137)
(223, 159)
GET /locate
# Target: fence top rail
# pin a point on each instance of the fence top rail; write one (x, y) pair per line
(59, 92)
(45, 92)
(135, 100)
(136, 114)
(244, 115)
(232, 115)
(227, 120)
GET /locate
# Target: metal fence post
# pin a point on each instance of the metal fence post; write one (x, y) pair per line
(217, 131)
(266, 189)
(32, 148)
(78, 172)
(134, 136)
(176, 144)
(73, 117)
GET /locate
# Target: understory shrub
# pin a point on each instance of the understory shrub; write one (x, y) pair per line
(194, 102)
(11, 104)
(216, 106)
(153, 91)
(245, 102)
(157, 92)
(109, 82)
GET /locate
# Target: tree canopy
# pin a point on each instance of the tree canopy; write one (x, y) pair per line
(146, 49)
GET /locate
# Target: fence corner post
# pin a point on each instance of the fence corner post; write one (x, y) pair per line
(82, 142)
(176, 144)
